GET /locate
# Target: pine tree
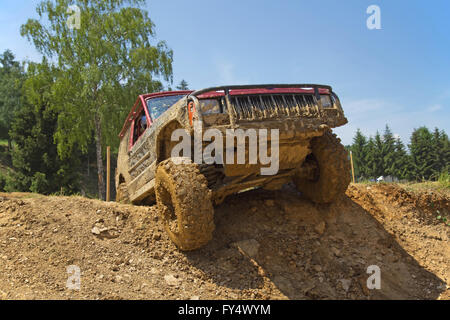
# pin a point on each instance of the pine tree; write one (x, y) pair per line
(378, 157)
(359, 150)
(370, 162)
(428, 157)
(388, 152)
(183, 85)
(422, 153)
(445, 152)
(402, 165)
(440, 143)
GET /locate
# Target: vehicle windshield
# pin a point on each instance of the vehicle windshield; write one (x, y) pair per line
(157, 106)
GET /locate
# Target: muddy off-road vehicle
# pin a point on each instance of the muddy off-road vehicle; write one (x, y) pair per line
(186, 191)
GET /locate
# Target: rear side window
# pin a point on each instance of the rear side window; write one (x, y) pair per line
(157, 106)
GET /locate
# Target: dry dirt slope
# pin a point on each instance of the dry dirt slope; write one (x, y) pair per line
(273, 245)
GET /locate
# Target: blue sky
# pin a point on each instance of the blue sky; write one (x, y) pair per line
(399, 75)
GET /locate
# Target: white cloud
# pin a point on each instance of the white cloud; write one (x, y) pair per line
(435, 107)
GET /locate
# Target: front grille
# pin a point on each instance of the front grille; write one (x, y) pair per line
(268, 106)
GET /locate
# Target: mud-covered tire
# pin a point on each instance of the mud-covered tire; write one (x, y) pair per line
(122, 195)
(333, 170)
(184, 203)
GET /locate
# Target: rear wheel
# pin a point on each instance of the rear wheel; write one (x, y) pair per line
(331, 174)
(184, 203)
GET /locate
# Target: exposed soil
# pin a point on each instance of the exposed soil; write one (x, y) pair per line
(267, 245)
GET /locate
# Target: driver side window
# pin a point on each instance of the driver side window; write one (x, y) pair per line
(140, 125)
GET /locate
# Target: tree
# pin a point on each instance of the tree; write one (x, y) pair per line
(441, 152)
(402, 166)
(359, 150)
(102, 67)
(37, 166)
(421, 149)
(388, 152)
(183, 85)
(11, 81)
(387, 155)
(446, 152)
(369, 159)
(375, 156)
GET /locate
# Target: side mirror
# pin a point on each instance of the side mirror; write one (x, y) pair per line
(191, 110)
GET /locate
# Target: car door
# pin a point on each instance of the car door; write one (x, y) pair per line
(139, 149)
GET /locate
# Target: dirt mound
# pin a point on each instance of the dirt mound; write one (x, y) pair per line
(267, 245)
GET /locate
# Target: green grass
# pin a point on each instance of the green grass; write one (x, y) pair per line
(23, 195)
(434, 186)
(444, 179)
(365, 182)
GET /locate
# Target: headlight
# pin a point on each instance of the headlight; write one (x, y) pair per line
(326, 101)
(210, 106)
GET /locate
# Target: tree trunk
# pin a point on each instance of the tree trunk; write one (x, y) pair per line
(98, 145)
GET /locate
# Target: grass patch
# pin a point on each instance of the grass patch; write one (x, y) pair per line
(21, 195)
(441, 186)
(444, 179)
(427, 186)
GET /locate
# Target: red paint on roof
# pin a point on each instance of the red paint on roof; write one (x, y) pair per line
(214, 94)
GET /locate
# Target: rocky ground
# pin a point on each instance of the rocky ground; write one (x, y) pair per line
(267, 245)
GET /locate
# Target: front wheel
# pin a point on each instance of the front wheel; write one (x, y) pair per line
(332, 170)
(184, 202)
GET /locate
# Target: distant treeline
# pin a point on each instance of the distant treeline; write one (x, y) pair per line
(426, 157)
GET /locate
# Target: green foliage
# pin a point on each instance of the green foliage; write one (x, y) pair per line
(441, 218)
(101, 67)
(374, 158)
(359, 150)
(421, 148)
(402, 166)
(444, 179)
(183, 85)
(388, 152)
(11, 81)
(39, 183)
(37, 165)
(2, 182)
(441, 153)
(17, 181)
(428, 157)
